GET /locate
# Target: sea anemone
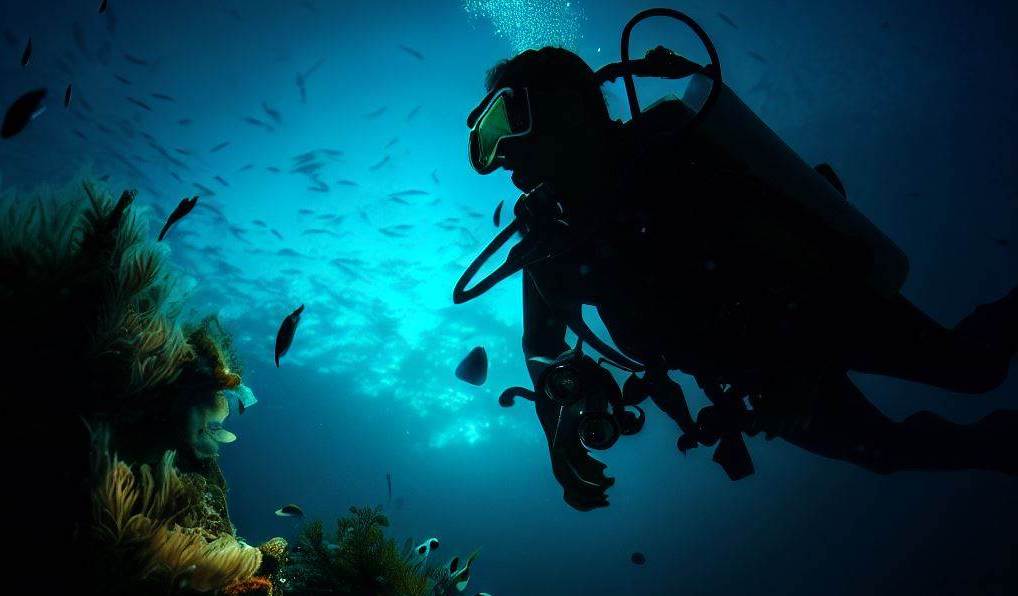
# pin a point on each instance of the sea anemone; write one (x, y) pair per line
(135, 522)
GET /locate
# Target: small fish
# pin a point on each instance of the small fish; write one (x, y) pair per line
(246, 167)
(413, 192)
(274, 114)
(183, 208)
(273, 169)
(27, 54)
(122, 79)
(184, 121)
(388, 481)
(413, 113)
(638, 558)
(220, 434)
(728, 20)
(220, 180)
(24, 109)
(256, 122)
(139, 103)
(375, 113)
(306, 211)
(412, 52)
(424, 549)
(135, 60)
(290, 510)
(276, 234)
(103, 6)
(205, 190)
(392, 142)
(378, 165)
(497, 217)
(344, 182)
(183, 151)
(176, 177)
(80, 134)
(474, 368)
(220, 147)
(163, 97)
(67, 96)
(284, 337)
(240, 407)
(757, 57)
(434, 176)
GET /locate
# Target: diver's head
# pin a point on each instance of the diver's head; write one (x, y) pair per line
(544, 118)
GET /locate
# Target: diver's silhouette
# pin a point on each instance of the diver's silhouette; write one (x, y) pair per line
(708, 247)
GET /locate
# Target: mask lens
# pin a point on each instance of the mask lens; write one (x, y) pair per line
(507, 115)
(562, 385)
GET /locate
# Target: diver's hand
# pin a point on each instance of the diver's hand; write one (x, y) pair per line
(582, 477)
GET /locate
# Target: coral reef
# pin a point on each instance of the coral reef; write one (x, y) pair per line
(149, 530)
(90, 321)
(362, 560)
(256, 586)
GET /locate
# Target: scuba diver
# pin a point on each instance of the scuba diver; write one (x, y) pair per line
(707, 246)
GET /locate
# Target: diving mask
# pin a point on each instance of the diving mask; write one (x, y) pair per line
(506, 114)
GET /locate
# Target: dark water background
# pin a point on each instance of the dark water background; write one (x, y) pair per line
(912, 102)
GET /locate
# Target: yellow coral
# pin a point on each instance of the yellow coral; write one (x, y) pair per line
(137, 515)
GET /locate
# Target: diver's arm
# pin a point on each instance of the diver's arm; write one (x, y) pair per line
(582, 477)
(544, 334)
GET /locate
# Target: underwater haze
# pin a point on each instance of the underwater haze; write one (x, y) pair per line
(326, 140)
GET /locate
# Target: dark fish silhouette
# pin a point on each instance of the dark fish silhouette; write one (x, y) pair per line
(474, 368)
(274, 114)
(22, 111)
(27, 54)
(220, 147)
(184, 121)
(276, 234)
(757, 57)
(376, 113)
(290, 510)
(434, 176)
(240, 408)
(103, 6)
(412, 52)
(139, 103)
(345, 182)
(67, 96)
(728, 20)
(246, 167)
(497, 217)
(185, 207)
(256, 122)
(122, 79)
(388, 481)
(413, 192)
(378, 165)
(206, 190)
(638, 558)
(220, 180)
(135, 60)
(284, 338)
(413, 113)
(163, 97)
(392, 142)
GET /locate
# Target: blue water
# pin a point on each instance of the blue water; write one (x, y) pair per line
(914, 105)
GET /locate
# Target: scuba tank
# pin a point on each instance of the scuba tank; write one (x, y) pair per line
(713, 124)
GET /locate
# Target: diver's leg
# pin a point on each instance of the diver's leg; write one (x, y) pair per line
(891, 336)
(835, 420)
